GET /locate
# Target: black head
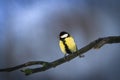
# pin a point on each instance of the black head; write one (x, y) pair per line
(63, 35)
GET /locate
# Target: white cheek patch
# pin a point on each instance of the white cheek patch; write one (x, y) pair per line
(64, 36)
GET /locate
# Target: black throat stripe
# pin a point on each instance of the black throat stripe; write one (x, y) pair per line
(66, 47)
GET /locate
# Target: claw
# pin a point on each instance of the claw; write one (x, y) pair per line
(65, 56)
(81, 56)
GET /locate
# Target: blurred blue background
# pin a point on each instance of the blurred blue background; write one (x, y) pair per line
(29, 31)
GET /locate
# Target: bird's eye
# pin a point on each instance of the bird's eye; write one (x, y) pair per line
(64, 36)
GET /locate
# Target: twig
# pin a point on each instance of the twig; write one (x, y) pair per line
(47, 65)
(23, 65)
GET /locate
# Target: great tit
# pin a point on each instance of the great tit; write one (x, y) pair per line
(67, 43)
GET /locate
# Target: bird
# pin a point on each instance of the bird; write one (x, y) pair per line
(67, 43)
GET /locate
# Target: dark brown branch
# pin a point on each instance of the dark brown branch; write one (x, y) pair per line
(47, 65)
(23, 65)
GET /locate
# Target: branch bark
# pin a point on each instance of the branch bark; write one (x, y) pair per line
(47, 65)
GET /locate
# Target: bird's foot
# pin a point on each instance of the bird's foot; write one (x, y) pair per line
(81, 56)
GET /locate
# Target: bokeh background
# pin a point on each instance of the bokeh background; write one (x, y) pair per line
(29, 31)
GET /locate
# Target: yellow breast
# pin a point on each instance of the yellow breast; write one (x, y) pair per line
(69, 41)
(62, 47)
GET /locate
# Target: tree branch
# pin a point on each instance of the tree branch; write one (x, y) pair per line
(23, 65)
(47, 65)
